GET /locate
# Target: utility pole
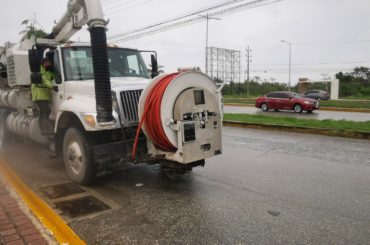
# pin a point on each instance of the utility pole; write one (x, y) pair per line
(248, 61)
(206, 68)
(290, 60)
(207, 17)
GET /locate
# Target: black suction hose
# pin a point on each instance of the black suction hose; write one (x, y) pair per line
(103, 92)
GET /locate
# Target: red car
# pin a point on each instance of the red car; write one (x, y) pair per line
(286, 101)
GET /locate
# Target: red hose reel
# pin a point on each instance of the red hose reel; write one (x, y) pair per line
(151, 117)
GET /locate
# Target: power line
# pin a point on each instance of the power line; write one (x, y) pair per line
(333, 42)
(183, 16)
(117, 5)
(222, 12)
(110, 2)
(305, 70)
(317, 63)
(115, 11)
(190, 18)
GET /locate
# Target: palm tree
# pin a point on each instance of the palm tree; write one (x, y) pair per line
(31, 31)
(160, 69)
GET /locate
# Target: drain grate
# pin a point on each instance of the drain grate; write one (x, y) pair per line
(81, 206)
(62, 190)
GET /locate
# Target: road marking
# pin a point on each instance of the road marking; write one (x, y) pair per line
(52, 221)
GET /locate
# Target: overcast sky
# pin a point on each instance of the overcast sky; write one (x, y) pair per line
(327, 35)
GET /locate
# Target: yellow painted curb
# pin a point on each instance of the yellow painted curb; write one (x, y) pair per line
(52, 221)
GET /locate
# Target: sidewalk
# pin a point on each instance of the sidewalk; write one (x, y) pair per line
(16, 227)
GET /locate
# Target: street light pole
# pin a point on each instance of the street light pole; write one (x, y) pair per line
(248, 60)
(206, 68)
(290, 60)
(207, 17)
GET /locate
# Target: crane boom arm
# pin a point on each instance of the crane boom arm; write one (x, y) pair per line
(90, 12)
(79, 13)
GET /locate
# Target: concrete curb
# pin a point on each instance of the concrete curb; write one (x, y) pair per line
(304, 130)
(362, 110)
(321, 108)
(51, 220)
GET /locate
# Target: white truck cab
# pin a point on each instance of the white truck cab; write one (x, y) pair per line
(74, 76)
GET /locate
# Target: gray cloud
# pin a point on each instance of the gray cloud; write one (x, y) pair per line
(324, 33)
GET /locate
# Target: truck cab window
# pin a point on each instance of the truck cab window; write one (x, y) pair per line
(122, 62)
(133, 64)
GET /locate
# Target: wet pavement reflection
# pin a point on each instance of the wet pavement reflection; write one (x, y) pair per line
(267, 187)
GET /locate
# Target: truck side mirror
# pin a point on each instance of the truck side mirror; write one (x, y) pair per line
(154, 66)
(57, 70)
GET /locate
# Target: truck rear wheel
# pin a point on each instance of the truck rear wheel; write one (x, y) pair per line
(78, 157)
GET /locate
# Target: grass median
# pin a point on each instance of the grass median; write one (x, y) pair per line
(296, 122)
(323, 103)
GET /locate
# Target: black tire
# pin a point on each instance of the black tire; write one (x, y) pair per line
(297, 108)
(309, 111)
(264, 107)
(78, 157)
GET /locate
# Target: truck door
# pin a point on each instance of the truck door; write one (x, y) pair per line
(57, 96)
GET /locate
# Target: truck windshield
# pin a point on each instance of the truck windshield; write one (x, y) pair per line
(122, 62)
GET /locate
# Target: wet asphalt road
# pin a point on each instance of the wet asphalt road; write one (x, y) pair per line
(267, 188)
(320, 115)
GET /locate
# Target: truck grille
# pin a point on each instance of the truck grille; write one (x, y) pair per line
(130, 102)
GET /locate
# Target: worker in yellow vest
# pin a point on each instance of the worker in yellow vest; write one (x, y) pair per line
(41, 95)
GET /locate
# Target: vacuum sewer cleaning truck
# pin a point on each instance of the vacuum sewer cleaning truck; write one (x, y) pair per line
(107, 109)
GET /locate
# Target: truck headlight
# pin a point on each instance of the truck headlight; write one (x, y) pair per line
(90, 120)
(307, 102)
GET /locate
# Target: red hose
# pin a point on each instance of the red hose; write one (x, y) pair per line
(152, 117)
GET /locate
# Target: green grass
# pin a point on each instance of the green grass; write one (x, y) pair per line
(309, 123)
(240, 101)
(323, 103)
(241, 96)
(345, 104)
(356, 98)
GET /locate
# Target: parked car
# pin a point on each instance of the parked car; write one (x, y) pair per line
(317, 94)
(286, 101)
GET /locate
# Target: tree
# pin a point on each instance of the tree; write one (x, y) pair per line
(361, 72)
(31, 31)
(160, 69)
(355, 83)
(257, 87)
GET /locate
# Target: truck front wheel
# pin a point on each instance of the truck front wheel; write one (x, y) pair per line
(78, 157)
